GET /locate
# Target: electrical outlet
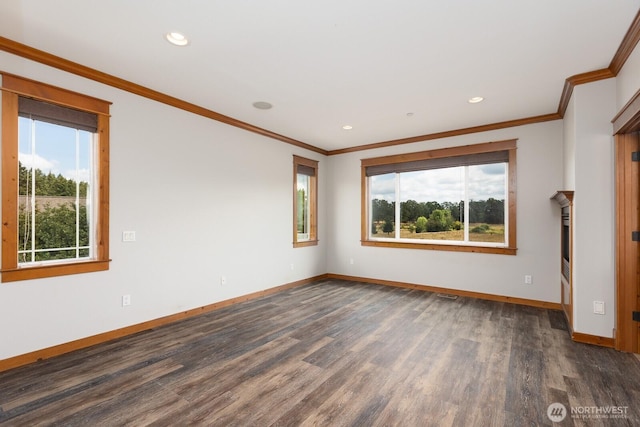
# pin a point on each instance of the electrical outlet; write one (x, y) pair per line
(291, 266)
(528, 279)
(223, 280)
(128, 236)
(351, 261)
(126, 300)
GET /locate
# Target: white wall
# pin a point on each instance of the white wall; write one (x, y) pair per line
(588, 138)
(628, 79)
(539, 176)
(593, 106)
(205, 199)
(569, 147)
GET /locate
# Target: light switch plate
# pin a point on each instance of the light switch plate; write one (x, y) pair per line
(598, 307)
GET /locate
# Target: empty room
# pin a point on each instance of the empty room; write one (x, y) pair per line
(286, 213)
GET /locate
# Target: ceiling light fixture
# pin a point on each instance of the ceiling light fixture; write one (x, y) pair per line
(347, 127)
(262, 105)
(475, 99)
(177, 39)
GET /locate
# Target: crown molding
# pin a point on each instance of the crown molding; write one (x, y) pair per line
(580, 79)
(450, 133)
(54, 61)
(628, 44)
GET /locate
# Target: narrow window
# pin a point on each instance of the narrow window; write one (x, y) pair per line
(460, 198)
(305, 206)
(54, 181)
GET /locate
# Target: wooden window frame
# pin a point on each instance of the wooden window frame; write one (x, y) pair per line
(313, 202)
(12, 88)
(509, 145)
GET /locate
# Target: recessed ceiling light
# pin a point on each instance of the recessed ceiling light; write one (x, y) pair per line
(177, 39)
(475, 99)
(261, 105)
(347, 127)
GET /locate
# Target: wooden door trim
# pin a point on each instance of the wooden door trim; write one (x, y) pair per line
(626, 126)
(627, 221)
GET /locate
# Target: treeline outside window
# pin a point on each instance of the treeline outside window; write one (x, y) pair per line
(462, 196)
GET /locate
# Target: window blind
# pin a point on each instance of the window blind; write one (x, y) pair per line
(56, 114)
(439, 163)
(306, 170)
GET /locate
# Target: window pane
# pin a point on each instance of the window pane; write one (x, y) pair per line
(304, 184)
(430, 202)
(453, 199)
(382, 190)
(487, 193)
(55, 174)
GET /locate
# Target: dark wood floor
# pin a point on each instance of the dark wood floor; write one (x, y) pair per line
(333, 353)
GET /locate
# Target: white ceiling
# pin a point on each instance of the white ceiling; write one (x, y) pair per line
(324, 64)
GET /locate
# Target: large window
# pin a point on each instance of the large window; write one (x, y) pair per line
(55, 171)
(305, 205)
(459, 199)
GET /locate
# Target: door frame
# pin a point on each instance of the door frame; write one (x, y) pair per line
(626, 126)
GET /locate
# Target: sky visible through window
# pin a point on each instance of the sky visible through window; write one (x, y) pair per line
(443, 185)
(55, 150)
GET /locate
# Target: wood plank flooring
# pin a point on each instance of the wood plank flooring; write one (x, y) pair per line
(334, 353)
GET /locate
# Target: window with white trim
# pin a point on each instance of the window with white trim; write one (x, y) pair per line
(459, 199)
